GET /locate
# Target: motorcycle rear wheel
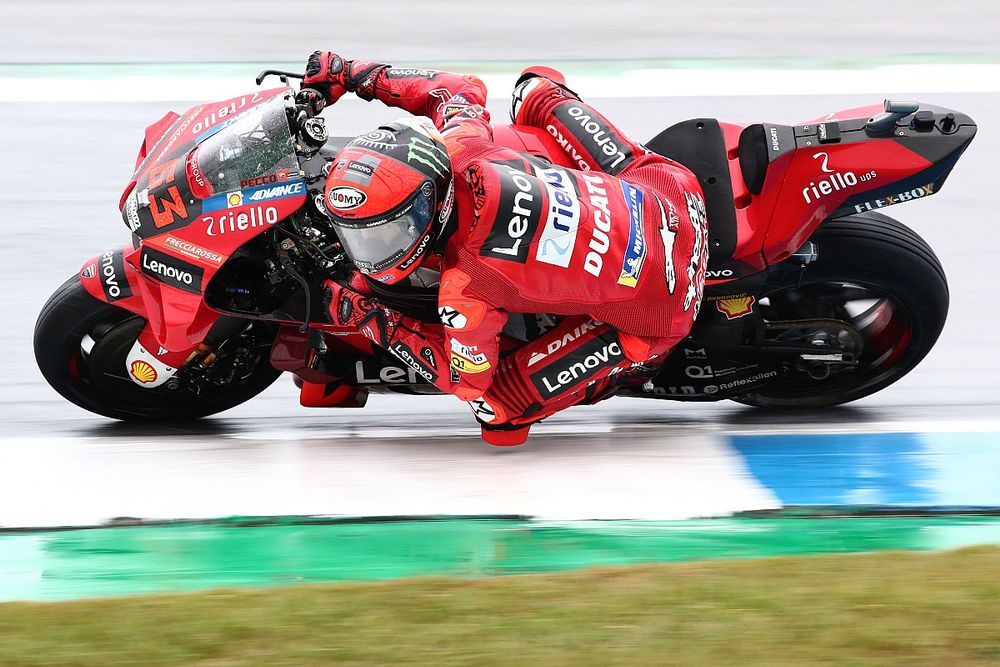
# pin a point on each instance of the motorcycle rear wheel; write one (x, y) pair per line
(869, 259)
(81, 344)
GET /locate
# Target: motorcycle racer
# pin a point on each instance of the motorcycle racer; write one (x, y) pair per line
(617, 247)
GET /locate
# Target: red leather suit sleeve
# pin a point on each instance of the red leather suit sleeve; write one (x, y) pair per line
(459, 357)
(472, 335)
(463, 368)
(443, 97)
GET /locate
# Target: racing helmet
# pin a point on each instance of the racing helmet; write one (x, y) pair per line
(389, 194)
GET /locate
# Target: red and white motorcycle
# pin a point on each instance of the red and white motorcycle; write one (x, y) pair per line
(814, 297)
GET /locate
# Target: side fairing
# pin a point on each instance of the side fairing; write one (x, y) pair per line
(188, 215)
(111, 279)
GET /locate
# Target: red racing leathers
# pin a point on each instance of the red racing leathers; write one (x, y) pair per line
(618, 247)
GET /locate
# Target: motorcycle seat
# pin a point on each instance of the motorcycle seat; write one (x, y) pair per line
(699, 145)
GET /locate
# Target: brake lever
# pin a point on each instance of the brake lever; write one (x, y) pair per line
(282, 75)
(310, 101)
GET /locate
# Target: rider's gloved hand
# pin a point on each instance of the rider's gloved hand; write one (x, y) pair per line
(333, 76)
(325, 73)
(351, 305)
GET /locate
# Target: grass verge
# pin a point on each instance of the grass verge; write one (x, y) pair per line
(869, 609)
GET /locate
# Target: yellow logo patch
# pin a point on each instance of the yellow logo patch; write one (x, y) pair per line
(463, 365)
(736, 307)
(143, 372)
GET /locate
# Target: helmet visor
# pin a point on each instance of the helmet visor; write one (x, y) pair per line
(377, 245)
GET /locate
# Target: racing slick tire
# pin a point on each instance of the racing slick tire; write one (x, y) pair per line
(876, 261)
(80, 347)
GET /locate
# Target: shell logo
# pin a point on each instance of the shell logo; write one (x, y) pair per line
(735, 307)
(143, 372)
(234, 199)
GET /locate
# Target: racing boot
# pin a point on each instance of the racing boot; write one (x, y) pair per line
(505, 436)
(495, 422)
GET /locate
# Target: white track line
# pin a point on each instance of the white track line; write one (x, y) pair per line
(87, 481)
(882, 80)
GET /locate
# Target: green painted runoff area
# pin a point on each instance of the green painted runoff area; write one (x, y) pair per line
(83, 563)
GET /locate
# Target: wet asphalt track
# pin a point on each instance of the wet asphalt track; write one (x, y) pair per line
(62, 173)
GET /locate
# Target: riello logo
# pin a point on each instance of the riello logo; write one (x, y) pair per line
(831, 181)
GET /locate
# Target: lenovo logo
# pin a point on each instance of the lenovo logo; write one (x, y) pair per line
(578, 366)
(517, 217)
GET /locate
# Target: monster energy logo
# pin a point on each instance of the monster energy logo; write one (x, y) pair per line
(427, 153)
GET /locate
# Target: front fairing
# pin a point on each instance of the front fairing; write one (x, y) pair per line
(244, 143)
(220, 175)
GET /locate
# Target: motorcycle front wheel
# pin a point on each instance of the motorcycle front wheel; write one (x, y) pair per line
(81, 344)
(877, 276)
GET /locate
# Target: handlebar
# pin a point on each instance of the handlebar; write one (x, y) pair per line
(282, 75)
(308, 104)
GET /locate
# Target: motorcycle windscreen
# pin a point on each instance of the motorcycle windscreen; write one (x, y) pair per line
(255, 148)
(248, 149)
